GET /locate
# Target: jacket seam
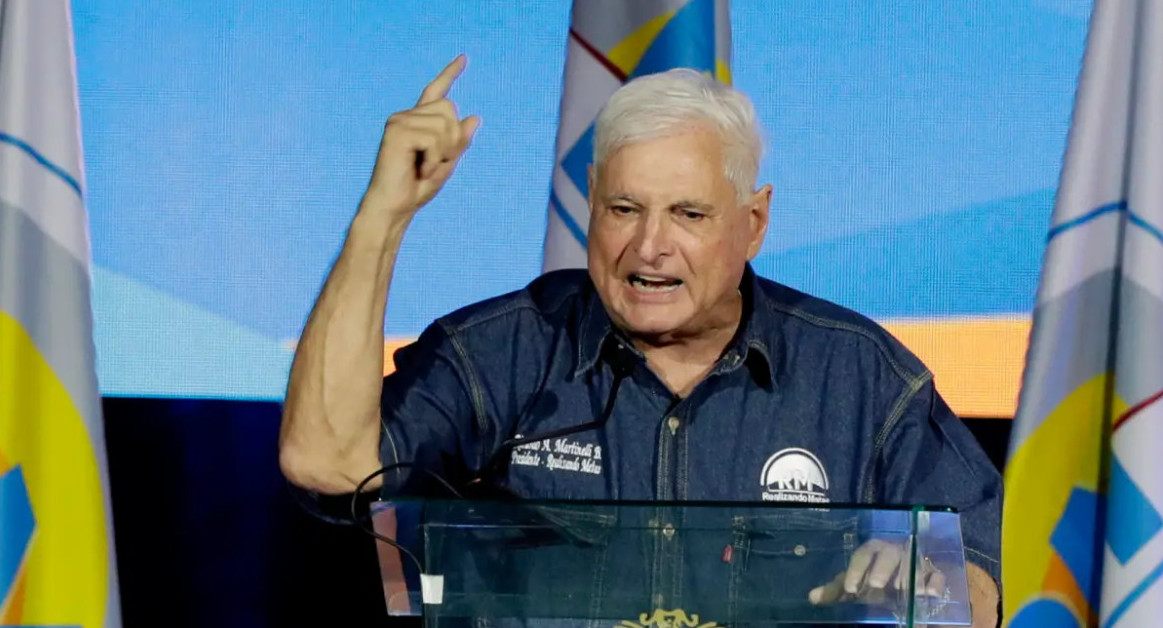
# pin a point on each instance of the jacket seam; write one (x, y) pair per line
(484, 317)
(981, 554)
(392, 444)
(474, 384)
(913, 386)
(829, 323)
(522, 303)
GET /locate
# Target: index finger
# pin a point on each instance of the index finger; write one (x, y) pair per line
(440, 85)
(858, 566)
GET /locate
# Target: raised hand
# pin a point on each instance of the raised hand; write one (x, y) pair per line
(330, 433)
(419, 150)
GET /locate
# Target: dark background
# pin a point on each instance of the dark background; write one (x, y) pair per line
(208, 534)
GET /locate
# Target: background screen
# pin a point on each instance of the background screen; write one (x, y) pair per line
(914, 149)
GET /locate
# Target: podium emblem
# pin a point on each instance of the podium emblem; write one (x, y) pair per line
(667, 619)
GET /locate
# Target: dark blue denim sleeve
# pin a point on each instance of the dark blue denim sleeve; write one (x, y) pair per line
(428, 415)
(427, 419)
(930, 457)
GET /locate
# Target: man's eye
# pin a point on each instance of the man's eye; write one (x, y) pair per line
(622, 209)
(692, 215)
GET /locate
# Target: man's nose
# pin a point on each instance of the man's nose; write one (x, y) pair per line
(653, 238)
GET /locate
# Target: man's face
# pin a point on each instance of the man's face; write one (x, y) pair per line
(668, 240)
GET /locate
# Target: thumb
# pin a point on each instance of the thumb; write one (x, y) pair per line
(468, 128)
(827, 593)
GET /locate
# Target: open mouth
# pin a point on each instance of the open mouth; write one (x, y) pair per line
(651, 283)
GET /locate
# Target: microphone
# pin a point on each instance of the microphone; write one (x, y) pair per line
(621, 360)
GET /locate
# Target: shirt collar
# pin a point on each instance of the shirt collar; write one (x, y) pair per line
(594, 329)
(751, 345)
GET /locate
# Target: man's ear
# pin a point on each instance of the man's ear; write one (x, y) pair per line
(758, 213)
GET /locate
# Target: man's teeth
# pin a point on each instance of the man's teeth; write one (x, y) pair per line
(654, 284)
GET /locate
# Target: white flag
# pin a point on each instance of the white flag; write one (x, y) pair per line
(611, 42)
(1083, 519)
(57, 561)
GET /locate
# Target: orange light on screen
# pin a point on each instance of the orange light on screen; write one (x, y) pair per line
(977, 363)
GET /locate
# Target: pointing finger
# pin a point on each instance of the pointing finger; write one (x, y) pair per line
(439, 86)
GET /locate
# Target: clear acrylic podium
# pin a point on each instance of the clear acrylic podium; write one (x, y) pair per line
(666, 564)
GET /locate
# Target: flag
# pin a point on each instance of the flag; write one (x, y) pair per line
(1083, 516)
(57, 562)
(611, 42)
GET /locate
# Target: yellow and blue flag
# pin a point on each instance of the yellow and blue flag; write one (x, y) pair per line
(1083, 517)
(611, 42)
(57, 564)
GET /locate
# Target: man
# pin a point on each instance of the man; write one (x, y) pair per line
(723, 385)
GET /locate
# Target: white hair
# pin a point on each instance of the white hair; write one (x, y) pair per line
(656, 105)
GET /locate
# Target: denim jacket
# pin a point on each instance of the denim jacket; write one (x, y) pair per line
(810, 402)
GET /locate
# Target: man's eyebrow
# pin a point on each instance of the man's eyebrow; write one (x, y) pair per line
(625, 198)
(706, 208)
(683, 204)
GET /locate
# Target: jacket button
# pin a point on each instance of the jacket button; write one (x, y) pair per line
(668, 531)
(799, 550)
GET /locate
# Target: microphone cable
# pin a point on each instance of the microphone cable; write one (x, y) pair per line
(365, 524)
(622, 362)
